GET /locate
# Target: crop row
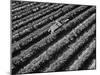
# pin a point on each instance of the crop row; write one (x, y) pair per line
(57, 48)
(85, 65)
(24, 43)
(39, 23)
(14, 3)
(85, 54)
(29, 10)
(92, 65)
(31, 15)
(29, 40)
(70, 51)
(47, 26)
(73, 23)
(23, 7)
(21, 4)
(30, 18)
(47, 41)
(18, 12)
(35, 26)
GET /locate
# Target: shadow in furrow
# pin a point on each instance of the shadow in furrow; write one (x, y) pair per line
(86, 64)
(74, 56)
(59, 52)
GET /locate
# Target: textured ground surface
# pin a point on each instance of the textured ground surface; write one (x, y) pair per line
(49, 37)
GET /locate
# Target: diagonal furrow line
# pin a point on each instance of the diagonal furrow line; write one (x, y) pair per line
(24, 44)
(28, 11)
(49, 39)
(29, 29)
(21, 4)
(30, 18)
(45, 41)
(32, 36)
(85, 65)
(85, 54)
(92, 65)
(14, 3)
(23, 7)
(70, 51)
(47, 55)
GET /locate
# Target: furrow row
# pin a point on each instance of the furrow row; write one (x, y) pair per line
(92, 65)
(57, 48)
(85, 54)
(69, 15)
(25, 44)
(46, 42)
(74, 47)
(40, 22)
(29, 10)
(37, 33)
(32, 17)
(23, 7)
(20, 5)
